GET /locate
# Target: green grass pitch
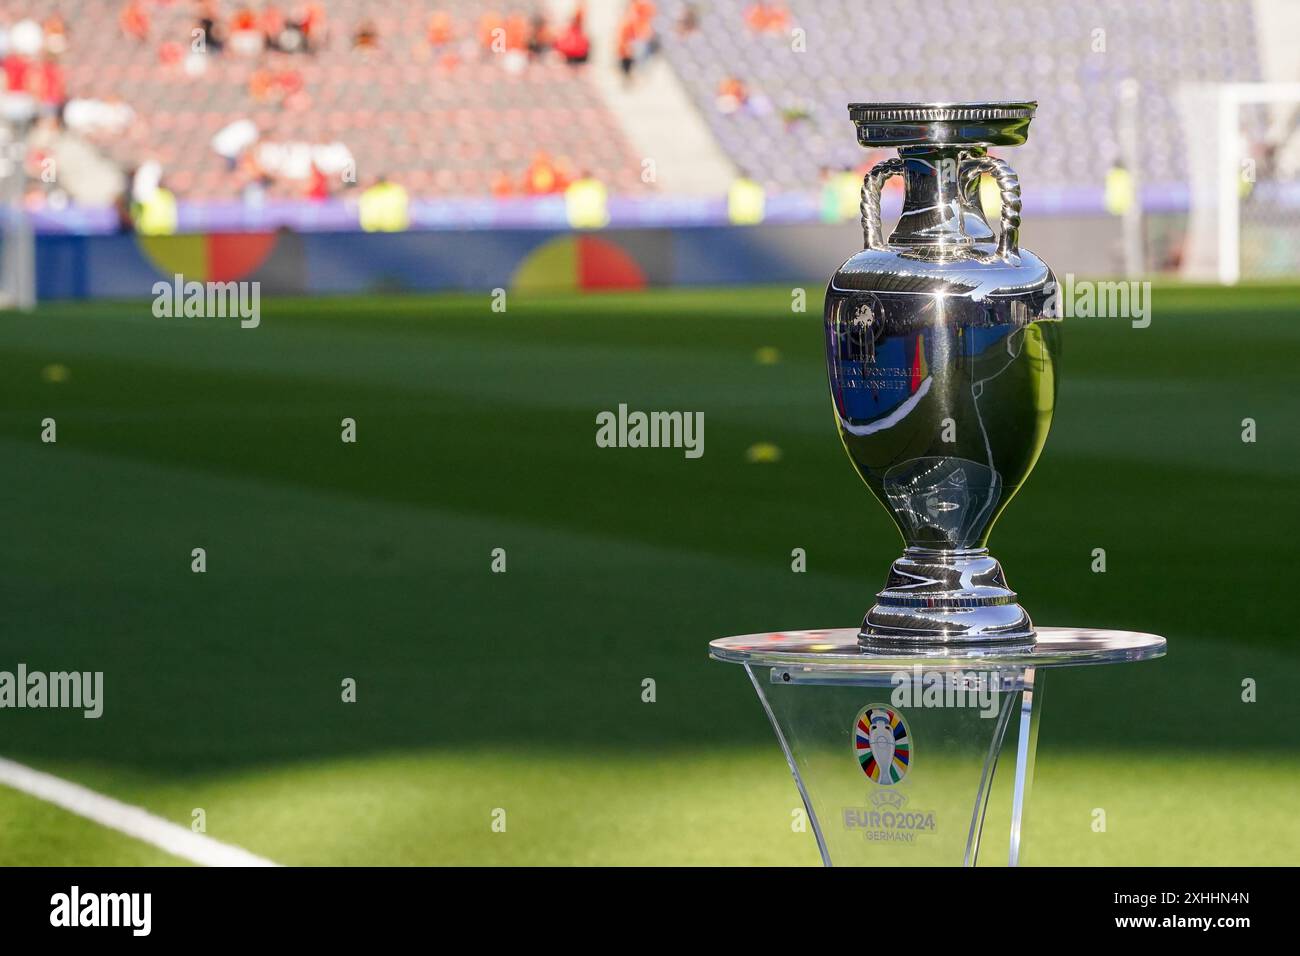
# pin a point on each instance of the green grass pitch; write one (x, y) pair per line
(522, 690)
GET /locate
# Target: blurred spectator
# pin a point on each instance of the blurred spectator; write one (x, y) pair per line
(732, 94)
(271, 23)
(366, 36)
(291, 86)
(156, 214)
(147, 178)
(627, 31)
(830, 206)
(170, 53)
(306, 23)
(90, 117)
(45, 82)
(491, 33)
(195, 64)
(688, 20)
(134, 20)
(246, 36)
(440, 31)
(56, 35)
(212, 34)
(643, 14)
(841, 196)
(1119, 194)
(746, 201)
(255, 178)
(539, 36)
(26, 40)
(543, 176)
(276, 82)
(768, 17)
(792, 116)
(15, 69)
(449, 61)
(502, 186)
(516, 33)
(586, 202)
(232, 139)
(384, 207)
(291, 39)
(572, 43)
(32, 74)
(637, 40)
(318, 185)
(261, 85)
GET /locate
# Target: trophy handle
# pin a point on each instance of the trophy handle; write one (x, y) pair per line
(872, 237)
(1009, 186)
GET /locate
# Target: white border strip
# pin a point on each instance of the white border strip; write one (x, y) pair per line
(124, 818)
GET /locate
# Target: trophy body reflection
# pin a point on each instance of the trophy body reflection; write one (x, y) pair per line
(942, 351)
(942, 345)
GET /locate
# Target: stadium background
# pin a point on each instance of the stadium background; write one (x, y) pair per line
(649, 185)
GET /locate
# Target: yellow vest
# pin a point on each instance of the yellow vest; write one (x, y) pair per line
(1119, 191)
(157, 214)
(586, 203)
(384, 208)
(746, 202)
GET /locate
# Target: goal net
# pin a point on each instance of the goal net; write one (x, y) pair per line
(1244, 181)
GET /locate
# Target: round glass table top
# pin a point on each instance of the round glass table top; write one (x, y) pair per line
(838, 649)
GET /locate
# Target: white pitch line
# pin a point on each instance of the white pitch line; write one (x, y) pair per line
(124, 818)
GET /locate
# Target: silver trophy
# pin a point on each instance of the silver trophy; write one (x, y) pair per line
(942, 347)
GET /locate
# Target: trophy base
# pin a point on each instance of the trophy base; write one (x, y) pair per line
(961, 763)
(944, 598)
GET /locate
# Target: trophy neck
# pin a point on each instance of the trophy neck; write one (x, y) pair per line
(940, 211)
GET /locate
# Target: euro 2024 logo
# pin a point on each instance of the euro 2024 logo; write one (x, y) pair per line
(881, 744)
(883, 748)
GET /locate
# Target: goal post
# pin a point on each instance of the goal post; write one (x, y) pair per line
(17, 239)
(1243, 143)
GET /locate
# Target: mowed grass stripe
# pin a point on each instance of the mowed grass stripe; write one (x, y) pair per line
(719, 806)
(36, 833)
(372, 560)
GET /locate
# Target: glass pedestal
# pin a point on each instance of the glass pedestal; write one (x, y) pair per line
(896, 753)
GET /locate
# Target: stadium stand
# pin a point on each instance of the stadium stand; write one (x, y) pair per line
(406, 89)
(759, 85)
(410, 91)
(715, 133)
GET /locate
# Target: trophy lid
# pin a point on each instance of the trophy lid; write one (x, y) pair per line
(942, 124)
